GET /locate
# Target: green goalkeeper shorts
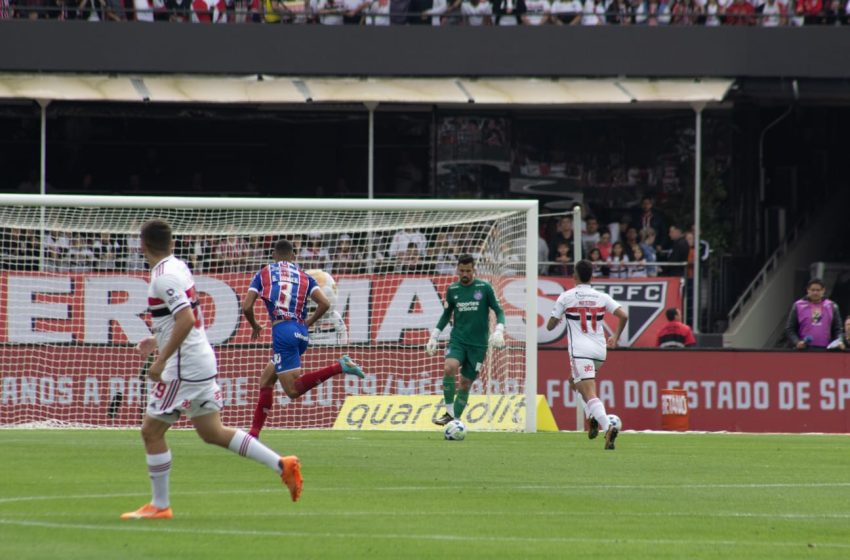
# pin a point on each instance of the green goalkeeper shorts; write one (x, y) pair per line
(471, 358)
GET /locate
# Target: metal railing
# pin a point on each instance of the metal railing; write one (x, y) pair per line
(605, 266)
(770, 265)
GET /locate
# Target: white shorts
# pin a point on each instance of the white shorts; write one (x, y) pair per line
(584, 368)
(169, 400)
(196, 363)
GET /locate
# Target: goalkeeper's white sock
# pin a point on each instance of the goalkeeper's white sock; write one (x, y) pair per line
(159, 467)
(597, 410)
(246, 446)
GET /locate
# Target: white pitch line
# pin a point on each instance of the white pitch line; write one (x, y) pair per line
(129, 495)
(485, 513)
(488, 488)
(159, 528)
(691, 486)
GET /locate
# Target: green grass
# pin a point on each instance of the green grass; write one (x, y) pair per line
(413, 495)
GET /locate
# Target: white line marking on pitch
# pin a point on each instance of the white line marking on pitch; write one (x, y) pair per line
(463, 487)
(486, 513)
(159, 528)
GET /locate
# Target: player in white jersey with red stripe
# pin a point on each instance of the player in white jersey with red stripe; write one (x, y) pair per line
(584, 310)
(171, 290)
(185, 375)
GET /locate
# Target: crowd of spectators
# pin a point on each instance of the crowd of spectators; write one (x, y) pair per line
(630, 247)
(767, 13)
(406, 251)
(634, 246)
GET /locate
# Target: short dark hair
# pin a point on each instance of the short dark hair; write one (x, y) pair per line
(584, 270)
(817, 281)
(284, 248)
(466, 258)
(671, 314)
(156, 235)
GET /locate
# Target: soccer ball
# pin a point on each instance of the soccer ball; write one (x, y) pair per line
(615, 421)
(455, 431)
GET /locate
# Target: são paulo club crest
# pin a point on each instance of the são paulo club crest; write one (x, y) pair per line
(643, 301)
(477, 295)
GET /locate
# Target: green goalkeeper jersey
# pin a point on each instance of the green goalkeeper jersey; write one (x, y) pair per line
(471, 307)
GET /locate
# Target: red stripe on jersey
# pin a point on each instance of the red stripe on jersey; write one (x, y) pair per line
(192, 294)
(595, 313)
(266, 279)
(585, 309)
(155, 301)
(302, 294)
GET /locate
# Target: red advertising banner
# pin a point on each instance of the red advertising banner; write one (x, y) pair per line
(68, 385)
(727, 390)
(66, 341)
(780, 391)
(111, 308)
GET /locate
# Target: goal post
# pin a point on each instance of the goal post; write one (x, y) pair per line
(73, 286)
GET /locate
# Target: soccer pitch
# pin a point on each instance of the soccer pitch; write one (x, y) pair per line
(414, 495)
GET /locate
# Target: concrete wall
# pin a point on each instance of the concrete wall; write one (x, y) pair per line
(74, 46)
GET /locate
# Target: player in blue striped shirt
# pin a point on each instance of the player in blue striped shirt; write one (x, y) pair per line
(285, 289)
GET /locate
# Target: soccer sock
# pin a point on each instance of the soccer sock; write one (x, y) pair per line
(584, 405)
(264, 406)
(460, 402)
(449, 393)
(307, 381)
(246, 446)
(597, 410)
(159, 467)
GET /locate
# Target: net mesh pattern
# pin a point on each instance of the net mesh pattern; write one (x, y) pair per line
(74, 286)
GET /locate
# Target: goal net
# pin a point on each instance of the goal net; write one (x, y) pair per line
(74, 301)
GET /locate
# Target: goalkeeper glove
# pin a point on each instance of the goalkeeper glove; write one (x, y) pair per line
(431, 345)
(341, 331)
(497, 339)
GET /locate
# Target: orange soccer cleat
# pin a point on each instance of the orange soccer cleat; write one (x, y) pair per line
(291, 475)
(149, 511)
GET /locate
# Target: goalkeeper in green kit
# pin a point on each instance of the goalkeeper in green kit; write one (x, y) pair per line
(470, 301)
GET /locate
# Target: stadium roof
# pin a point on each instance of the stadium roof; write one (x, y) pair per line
(254, 89)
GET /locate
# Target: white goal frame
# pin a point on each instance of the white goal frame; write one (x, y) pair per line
(529, 207)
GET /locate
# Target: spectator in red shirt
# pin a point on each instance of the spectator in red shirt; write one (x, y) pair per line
(810, 10)
(604, 244)
(740, 12)
(675, 334)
